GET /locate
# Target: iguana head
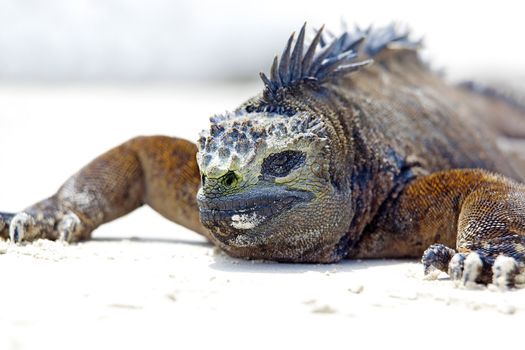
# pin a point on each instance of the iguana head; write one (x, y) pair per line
(276, 173)
(267, 189)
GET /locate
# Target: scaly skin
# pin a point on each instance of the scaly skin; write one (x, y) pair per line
(322, 166)
(144, 170)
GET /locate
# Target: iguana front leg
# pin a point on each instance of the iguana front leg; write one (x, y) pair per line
(158, 171)
(480, 214)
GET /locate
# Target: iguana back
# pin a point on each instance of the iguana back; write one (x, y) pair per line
(414, 112)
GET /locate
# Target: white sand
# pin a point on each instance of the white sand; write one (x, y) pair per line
(168, 288)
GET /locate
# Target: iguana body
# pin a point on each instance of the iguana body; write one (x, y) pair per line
(324, 165)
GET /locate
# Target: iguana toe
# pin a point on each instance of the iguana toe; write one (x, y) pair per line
(504, 272)
(70, 228)
(455, 267)
(22, 226)
(472, 269)
(436, 257)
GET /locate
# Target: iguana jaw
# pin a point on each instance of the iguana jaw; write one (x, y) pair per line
(230, 216)
(295, 226)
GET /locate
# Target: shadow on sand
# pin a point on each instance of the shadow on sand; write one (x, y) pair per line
(194, 242)
(223, 262)
(228, 264)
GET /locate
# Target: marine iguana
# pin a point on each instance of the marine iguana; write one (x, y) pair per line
(354, 149)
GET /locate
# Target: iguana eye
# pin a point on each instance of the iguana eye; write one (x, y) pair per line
(280, 164)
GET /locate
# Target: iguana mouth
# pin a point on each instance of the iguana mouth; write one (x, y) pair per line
(249, 209)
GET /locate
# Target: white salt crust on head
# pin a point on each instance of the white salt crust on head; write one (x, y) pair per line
(234, 140)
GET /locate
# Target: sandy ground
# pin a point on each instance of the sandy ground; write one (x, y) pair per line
(146, 283)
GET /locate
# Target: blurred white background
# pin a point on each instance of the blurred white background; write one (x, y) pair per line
(78, 77)
(163, 40)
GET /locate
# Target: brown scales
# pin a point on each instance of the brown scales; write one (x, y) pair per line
(413, 158)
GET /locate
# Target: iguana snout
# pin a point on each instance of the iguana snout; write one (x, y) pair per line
(233, 215)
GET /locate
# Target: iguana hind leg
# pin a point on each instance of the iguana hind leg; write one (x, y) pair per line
(491, 234)
(479, 214)
(158, 171)
(490, 239)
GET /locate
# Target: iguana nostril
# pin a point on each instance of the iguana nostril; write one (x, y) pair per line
(229, 179)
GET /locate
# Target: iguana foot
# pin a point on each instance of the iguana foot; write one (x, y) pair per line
(47, 220)
(470, 269)
(477, 267)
